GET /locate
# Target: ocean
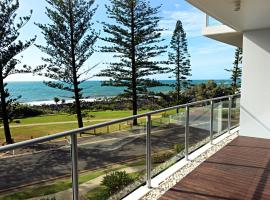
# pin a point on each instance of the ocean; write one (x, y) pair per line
(38, 92)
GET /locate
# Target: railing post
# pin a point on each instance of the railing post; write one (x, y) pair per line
(148, 150)
(187, 132)
(74, 160)
(211, 121)
(229, 114)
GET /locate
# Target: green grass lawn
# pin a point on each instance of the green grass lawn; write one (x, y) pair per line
(62, 117)
(29, 132)
(26, 133)
(97, 193)
(51, 189)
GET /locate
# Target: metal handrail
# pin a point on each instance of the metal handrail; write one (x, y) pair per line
(74, 146)
(100, 125)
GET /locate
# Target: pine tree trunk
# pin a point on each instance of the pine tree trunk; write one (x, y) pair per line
(74, 70)
(234, 84)
(78, 108)
(134, 71)
(4, 112)
(178, 93)
(178, 78)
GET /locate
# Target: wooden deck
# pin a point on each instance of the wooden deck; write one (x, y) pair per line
(241, 170)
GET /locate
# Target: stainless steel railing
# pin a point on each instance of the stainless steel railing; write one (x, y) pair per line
(74, 146)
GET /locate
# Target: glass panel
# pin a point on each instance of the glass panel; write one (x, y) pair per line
(199, 125)
(213, 22)
(112, 160)
(220, 117)
(37, 171)
(235, 112)
(167, 139)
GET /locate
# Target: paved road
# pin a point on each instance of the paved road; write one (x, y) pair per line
(104, 150)
(109, 149)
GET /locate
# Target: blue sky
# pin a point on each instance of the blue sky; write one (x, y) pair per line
(209, 58)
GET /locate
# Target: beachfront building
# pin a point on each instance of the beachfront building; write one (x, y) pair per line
(246, 24)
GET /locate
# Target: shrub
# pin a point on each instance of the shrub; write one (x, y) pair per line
(165, 115)
(99, 193)
(162, 157)
(56, 100)
(116, 181)
(85, 114)
(22, 111)
(224, 113)
(178, 148)
(48, 198)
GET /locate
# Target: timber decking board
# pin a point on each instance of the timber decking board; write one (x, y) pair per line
(240, 170)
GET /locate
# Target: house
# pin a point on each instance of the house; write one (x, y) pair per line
(246, 24)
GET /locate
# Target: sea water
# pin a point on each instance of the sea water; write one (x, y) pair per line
(37, 91)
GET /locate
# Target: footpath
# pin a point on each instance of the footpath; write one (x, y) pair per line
(85, 187)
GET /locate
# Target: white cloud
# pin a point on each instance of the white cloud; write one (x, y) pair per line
(177, 5)
(212, 48)
(192, 20)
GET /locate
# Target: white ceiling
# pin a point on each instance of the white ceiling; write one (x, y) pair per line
(252, 15)
(224, 34)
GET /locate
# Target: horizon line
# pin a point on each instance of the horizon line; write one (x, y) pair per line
(105, 80)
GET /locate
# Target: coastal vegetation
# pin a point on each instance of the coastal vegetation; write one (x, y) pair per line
(10, 47)
(133, 36)
(135, 40)
(49, 119)
(70, 40)
(236, 70)
(179, 58)
(44, 119)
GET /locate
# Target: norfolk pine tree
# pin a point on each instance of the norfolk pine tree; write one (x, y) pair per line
(180, 59)
(236, 71)
(134, 37)
(10, 47)
(70, 41)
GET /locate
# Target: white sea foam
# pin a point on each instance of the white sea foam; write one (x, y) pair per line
(39, 103)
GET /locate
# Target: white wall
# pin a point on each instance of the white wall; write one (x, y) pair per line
(255, 100)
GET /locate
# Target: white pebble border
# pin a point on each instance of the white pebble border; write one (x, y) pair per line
(157, 192)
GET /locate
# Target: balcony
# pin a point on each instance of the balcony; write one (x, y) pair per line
(216, 30)
(240, 170)
(66, 166)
